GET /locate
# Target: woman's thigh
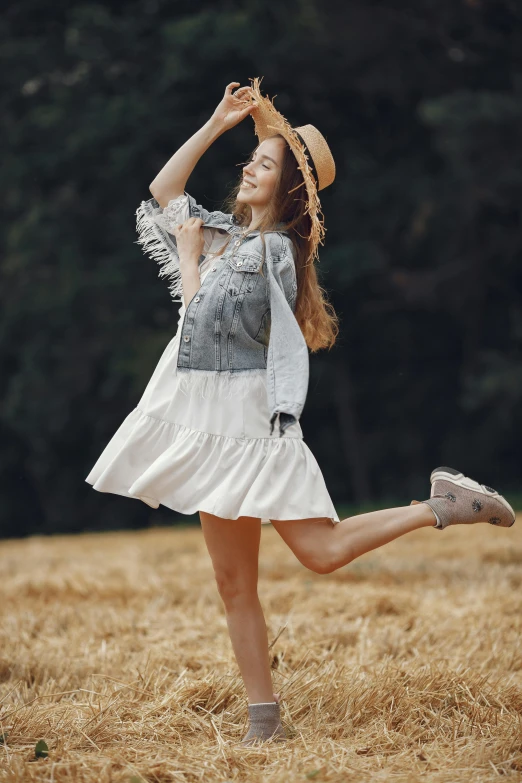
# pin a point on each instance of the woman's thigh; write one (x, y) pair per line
(233, 546)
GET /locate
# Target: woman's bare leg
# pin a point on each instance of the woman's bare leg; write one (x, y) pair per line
(233, 545)
(323, 546)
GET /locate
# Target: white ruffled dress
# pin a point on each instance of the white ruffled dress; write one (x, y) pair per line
(204, 444)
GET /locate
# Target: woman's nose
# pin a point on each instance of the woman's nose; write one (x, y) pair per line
(248, 170)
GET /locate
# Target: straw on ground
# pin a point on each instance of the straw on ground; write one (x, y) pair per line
(405, 665)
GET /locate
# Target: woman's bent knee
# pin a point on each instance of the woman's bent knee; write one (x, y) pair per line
(323, 562)
(312, 542)
(319, 566)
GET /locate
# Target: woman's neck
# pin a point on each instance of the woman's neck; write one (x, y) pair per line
(257, 217)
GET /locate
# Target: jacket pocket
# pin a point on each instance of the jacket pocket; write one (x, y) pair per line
(240, 276)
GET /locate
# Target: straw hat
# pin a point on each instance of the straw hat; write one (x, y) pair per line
(313, 156)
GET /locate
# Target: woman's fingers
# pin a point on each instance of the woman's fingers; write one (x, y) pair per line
(190, 239)
(189, 223)
(230, 87)
(243, 93)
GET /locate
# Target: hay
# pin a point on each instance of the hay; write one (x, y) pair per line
(405, 665)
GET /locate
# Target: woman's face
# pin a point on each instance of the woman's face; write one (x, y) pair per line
(261, 174)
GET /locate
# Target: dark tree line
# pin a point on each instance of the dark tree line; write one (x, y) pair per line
(421, 103)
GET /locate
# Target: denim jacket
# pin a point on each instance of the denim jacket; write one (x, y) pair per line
(242, 317)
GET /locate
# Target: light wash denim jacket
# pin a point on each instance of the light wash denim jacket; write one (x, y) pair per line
(242, 317)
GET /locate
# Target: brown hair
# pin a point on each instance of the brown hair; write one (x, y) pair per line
(314, 314)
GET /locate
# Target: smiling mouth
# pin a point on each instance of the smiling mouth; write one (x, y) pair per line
(245, 184)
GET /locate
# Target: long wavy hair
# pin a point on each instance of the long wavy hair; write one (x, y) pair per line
(314, 313)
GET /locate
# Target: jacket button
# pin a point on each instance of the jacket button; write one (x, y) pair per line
(186, 338)
(239, 263)
(213, 269)
(196, 299)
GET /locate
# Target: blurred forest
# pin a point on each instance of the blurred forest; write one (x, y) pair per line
(421, 103)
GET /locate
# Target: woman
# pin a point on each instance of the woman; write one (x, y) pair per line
(203, 437)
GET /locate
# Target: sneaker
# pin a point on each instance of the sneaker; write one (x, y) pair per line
(456, 499)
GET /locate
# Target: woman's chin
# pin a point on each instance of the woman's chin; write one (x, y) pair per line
(243, 198)
(250, 199)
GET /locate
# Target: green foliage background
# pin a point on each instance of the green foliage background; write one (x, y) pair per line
(421, 103)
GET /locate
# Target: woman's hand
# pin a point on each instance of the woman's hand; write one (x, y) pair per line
(190, 241)
(234, 107)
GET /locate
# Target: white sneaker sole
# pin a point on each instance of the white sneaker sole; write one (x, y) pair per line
(449, 474)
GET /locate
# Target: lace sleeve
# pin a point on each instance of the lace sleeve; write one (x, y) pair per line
(176, 212)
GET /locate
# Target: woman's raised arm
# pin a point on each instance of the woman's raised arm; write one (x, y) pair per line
(171, 180)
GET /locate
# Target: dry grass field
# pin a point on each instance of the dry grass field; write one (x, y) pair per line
(404, 666)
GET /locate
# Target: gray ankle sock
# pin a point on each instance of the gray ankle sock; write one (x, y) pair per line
(265, 722)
